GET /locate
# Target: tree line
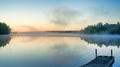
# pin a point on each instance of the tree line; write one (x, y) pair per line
(102, 29)
(4, 28)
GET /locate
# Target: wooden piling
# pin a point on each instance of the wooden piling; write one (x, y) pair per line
(111, 52)
(96, 53)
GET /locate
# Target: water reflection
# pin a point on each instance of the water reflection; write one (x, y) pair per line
(23, 51)
(63, 53)
(40, 51)
(4, 40)
(102, 40)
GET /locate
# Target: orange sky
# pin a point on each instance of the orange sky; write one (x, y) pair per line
(42, 28)
(43, 15)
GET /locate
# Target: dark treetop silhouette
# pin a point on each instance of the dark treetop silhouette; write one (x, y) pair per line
(102, 29)
(4, 28)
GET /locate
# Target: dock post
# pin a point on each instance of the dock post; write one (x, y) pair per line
(111, 52)
(96, 53)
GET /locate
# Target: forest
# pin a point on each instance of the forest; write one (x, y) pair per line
(101, 28)
(4, 28)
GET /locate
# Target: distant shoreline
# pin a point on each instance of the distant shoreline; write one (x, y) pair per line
(46, 34)
(61, 34)
(4, 35)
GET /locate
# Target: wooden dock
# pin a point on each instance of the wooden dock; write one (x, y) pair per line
(100, 61)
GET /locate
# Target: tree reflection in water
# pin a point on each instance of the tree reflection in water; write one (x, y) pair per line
(100, 40)
(4, 40)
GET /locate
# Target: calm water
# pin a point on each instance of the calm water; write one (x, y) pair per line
(43, 51)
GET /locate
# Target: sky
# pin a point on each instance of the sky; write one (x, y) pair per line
(44, 15)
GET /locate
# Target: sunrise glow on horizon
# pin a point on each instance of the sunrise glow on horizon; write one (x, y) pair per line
(45, 15)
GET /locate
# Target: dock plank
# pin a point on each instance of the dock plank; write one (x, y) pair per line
(100, 61)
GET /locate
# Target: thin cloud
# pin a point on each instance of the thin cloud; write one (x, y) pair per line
(62, 16)
(28, 28)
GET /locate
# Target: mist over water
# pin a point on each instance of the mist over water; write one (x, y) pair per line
(49, 51)
(102, 40)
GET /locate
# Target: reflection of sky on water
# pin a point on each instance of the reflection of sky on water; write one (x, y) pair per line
(38, 51)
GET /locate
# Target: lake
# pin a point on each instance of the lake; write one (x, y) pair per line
(54, 51)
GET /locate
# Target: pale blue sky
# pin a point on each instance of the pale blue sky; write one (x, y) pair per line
(58, 14)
